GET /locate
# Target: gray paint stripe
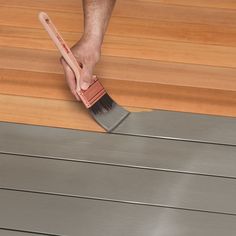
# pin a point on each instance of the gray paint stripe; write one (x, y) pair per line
(141, 152)
(138, 186)
(113, 201)
(180, 125)
(118, 165)
(73, 217)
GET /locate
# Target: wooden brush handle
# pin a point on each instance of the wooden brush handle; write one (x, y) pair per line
(61, 45)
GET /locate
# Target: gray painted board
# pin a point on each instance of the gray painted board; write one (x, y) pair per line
(8, 232)
(119, 183)
(180, 125)
(73, 217)
(118, 149)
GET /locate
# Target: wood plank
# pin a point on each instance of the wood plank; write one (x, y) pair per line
(158, 49)
(46, 112)
(34, 84)
(66, 216)
(132, 9)
(121, 150)
(174, 31)
(125, 69)
(130, 27)
(11, 108)
(222, 4)
(148, 49)
(13, 232)
(49, 112)
(180, 125)
(157, 188)
(169, 51)
(53, 86)
(126, 93)
(221, 104)
(53, 5)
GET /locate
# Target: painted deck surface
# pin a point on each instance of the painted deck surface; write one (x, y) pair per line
(68, 182)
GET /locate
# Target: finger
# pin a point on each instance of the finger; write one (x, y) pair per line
(76, 95)
(70, 78)
(86, 78)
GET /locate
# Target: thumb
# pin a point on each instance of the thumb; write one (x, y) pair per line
(86, 77)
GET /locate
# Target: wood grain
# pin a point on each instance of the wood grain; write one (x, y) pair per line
(150, 9)
(126, 93)
(204, 32)
(126, 69)
(150, 49)
(173, 54)
(222, 4)
(49, 112)
(41, 111)
(179, 32)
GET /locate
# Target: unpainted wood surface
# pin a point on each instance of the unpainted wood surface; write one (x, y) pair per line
(174, 54)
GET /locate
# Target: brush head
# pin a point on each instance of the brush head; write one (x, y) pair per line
(103, 108)
(108, 113)
(104, 104)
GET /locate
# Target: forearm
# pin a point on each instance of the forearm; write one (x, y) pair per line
(97, 14)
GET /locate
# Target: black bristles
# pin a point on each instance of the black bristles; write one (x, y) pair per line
(104, 104)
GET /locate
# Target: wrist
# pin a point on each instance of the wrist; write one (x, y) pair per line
(92, 44)
(95, 39)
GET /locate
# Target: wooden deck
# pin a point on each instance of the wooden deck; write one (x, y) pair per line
(167, 173)
(67, 182)
(173, 55)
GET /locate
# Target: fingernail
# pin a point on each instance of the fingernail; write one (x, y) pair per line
(85, 85)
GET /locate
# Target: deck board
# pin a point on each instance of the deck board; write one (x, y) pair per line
(12, 232)
(113, 183)
(123, 150)
(185, 55)
(62, 172)
(70, 216)
(128, 9)
(115, 68)
(180, 125)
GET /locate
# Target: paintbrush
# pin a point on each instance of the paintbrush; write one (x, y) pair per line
(102, 107)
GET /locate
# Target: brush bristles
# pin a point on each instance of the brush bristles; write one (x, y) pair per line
(104, 104)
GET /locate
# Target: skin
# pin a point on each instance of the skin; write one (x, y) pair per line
(87, 50)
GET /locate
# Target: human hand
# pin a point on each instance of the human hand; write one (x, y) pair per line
(87, 52)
